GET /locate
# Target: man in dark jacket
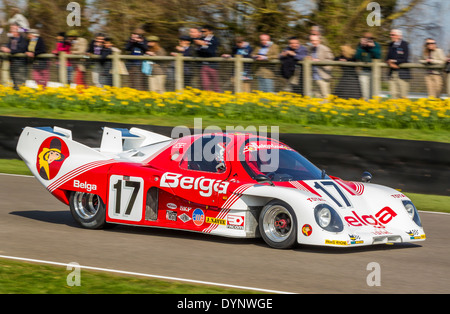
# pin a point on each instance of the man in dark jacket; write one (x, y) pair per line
(207, 48)
(95, 48)
(367, 51)
(290, 70)
(398, 53)
(18, 65)
(137, 46)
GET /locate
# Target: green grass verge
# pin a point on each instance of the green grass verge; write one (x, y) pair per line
(407, 134)
(30, 278)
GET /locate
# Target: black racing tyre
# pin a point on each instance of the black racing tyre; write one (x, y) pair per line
(88, 210)
(278, 225)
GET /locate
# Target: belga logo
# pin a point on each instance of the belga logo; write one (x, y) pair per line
(205, 185)
(51, 155)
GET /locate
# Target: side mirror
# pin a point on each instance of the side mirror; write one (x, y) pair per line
(220, 167)
(366, 177)
(260, 178)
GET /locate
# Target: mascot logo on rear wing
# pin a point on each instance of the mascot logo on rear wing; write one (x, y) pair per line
(51, 155)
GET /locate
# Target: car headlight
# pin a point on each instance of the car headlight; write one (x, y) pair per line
(327, 218)
(324, 217)
(412, 212)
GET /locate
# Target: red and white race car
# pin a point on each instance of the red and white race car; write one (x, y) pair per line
(233, 185)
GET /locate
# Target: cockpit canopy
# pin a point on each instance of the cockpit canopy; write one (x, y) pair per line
(277, 161)
(257, 155)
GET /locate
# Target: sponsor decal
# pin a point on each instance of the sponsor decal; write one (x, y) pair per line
(184, 217)
(179, 145)
(336, 242)
(383, 217)
(84, 185)
(315, 199)
(399, 195)
(185, 209)
(171, 206)
(171, 215)
(204, 185)
(415, 235)
(255, 146)
(235, 222)
(217, 221)
(51, 155)
(198, 217)
(306, 230)
(355, 239)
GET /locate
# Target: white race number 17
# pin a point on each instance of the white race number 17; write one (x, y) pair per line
(125, 198)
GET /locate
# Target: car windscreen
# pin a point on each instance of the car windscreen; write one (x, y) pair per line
(277, 161)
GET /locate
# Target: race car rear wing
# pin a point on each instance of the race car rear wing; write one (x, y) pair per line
(36, 144)
(116, 140)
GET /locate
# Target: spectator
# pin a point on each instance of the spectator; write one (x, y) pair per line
(321, 75)
(137, 46)
(243, 49)
(18, 66)
(267, 51)
(207, 48)
(290, 69)
(36, 46)
(348, 86)
(79, 46)
(157, 78)
(317, 30)
(95, 48)
(447, 70)
(398, 54)
(18, 19)
(186, 50)
(367, 51)
(105, 63)
(63, 45)
(432, 55)
(184, 47)
(194, 33)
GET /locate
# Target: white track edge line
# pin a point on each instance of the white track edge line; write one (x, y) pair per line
(145, 275)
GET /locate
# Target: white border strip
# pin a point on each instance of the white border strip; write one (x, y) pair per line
(16, 175)
(145, 275)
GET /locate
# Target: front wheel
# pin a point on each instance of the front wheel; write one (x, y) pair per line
(88, 210)
(278, 225)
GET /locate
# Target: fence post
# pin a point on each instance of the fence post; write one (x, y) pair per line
(307, 77)
(115, 70)
(376, 77)
(238, 70)
(5, 71)
(448, 85)
(62, 70)
(179, 72)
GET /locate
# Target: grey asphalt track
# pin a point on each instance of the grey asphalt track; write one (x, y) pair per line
(33, 224)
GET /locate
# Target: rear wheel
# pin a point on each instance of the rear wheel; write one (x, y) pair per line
(88, 210)
(278, 225)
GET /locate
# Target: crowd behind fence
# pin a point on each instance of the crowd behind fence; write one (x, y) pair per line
(235, 74)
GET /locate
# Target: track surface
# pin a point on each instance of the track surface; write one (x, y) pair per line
(35, 225)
